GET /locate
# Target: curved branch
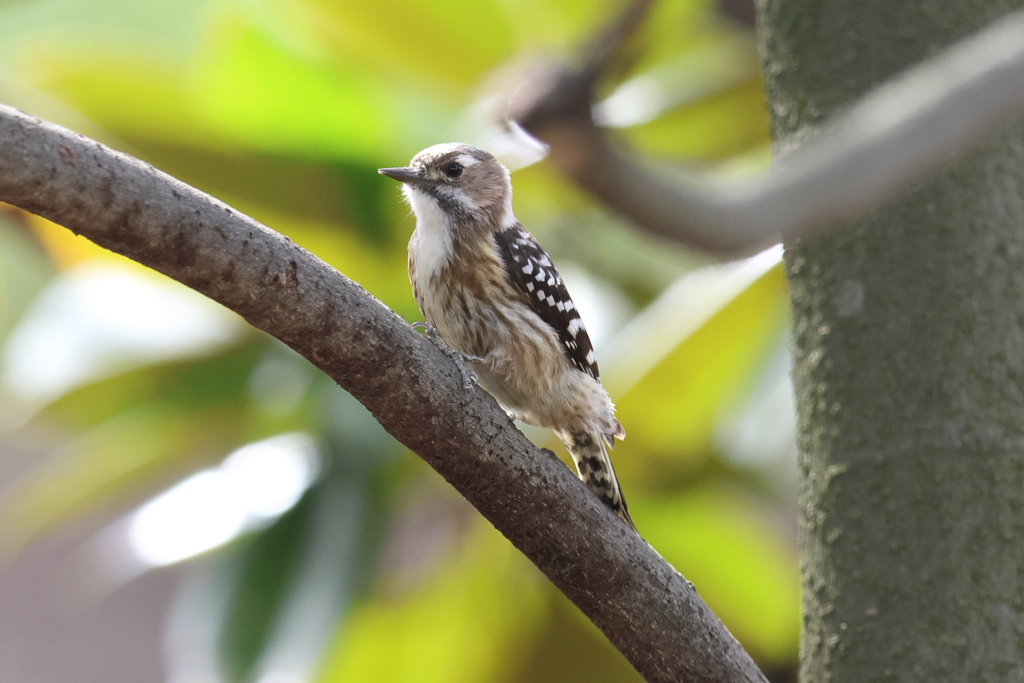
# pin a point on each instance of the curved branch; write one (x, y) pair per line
(647, 610)
(892, 138)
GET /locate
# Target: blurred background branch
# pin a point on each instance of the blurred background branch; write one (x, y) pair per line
(872, 152)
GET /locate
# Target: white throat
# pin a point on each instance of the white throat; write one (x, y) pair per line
(508, 219)
(431, 242)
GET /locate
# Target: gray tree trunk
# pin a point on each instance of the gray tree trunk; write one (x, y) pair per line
(908, 338)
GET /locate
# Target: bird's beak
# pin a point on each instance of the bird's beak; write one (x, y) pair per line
(405, 174)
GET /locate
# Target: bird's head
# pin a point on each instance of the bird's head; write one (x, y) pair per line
(466, 184)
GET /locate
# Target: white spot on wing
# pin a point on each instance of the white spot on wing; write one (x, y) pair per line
(575, 325)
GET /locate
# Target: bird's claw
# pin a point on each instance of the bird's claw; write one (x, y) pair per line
(469, 382)
(469, 378)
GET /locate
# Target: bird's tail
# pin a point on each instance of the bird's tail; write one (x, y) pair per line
(596, 470)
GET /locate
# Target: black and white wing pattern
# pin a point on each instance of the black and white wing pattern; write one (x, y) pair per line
(530, 268)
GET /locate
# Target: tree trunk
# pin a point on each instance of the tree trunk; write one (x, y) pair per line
(908, 342)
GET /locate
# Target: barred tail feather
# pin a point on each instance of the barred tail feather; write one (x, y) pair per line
(596, 471)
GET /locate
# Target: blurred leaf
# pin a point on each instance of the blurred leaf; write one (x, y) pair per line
(281, 617)
(98, 319)
(682, 359)
(673, 27)
(243, 89)
(467, 623)
(711, 63)
(728, 123)
(269, 605)
(303, 189)
(264, 566)
(742, 562)
(704, 100)
(547, 25)
(568, 647)
(125, 88)
(220, 381)
(103, 463)
(328, 575)
(254, 91)
(161, 25)
(24, 267)
(142, 429)
(450, 44)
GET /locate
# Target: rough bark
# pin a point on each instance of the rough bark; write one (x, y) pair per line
(644, 607)
(909, 373)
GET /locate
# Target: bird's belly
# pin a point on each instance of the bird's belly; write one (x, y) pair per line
(465, 322)
(524, 366)
(568, 398)
(460, 330)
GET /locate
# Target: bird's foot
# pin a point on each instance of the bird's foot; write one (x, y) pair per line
(469, 378)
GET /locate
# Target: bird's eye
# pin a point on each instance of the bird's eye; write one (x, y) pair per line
(453, 170)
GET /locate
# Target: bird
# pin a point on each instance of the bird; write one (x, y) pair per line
(491, 293)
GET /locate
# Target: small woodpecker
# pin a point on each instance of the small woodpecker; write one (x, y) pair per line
(492, 294)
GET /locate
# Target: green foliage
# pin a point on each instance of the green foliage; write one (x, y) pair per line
(466, 621)
(285, 110)
(694, 357)
(24, 268)
(738, 558)
(265, 567)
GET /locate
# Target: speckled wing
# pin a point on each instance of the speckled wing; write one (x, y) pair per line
(530, 268)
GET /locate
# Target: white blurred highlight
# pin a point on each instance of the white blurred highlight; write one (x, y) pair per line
(100, 318)
(515, 147)
(253, 485)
